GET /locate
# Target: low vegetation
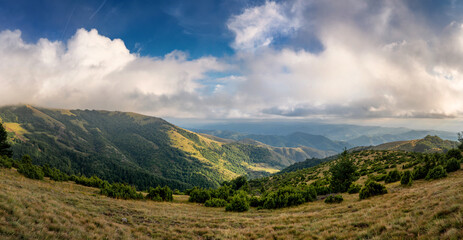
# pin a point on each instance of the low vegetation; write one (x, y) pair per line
(31, 209)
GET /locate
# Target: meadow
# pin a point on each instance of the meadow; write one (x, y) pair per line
(31, 209)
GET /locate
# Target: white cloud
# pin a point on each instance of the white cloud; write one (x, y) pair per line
(93, 71)
(257, 26)
(379, 59)
(374, 64)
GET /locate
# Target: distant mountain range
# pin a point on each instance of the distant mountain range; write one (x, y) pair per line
(137, 149)
(316, 135)
(296, 139)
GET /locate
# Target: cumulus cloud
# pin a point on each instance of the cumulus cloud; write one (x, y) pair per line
(379, 59)
(93, 71)
(257, 26)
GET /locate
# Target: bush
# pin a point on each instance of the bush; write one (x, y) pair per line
(392, 176)
(29, 170)
(334, 199)
(238, 203)
(372, 188)
(406, 178)
(54, 174)
(5, 162)
(378, 178)
(454, 153)
(120, 191)
(215, 202)
(199, 195)
(255, 201)
(419, 172)
(436, 173)
(94, 181)
(160, 194)
(452, 165)
(354, 188)
(288, 196)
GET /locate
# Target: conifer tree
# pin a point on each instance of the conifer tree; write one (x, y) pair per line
(4, 145)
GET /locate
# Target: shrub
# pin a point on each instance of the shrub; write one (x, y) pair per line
(54, 174)
(452, 165)
(354, 188)
(120, 191)
(94, 181)
(160, 194)
(199, 195)
(372, 188)
(215, 202)
(419, 172)
(308, 193)
(392, 176)
(5, 162)
(377, 178)
(436, 173)
(334, 199)
(29, 170)
(407, 178)
(238, 203)
(255, 201)
(454, 153)
(288, 196)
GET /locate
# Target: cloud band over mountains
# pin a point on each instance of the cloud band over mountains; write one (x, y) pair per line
(378, 59)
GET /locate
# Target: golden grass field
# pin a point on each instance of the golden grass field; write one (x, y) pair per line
(31, 209)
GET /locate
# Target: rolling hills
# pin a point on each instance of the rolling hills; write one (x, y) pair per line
(137, 149)
(353, 135)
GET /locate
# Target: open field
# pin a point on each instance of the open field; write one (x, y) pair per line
(31, 209)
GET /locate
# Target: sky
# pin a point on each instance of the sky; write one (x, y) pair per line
(395, 63)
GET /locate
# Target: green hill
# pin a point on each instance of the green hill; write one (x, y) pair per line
(128, 147)
(428, 144)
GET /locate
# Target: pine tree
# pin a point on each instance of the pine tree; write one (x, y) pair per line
(4, 145)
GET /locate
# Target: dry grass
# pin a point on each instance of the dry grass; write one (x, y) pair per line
(31, 209)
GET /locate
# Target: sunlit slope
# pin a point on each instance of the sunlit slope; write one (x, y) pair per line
(132, 148)
(428, 144)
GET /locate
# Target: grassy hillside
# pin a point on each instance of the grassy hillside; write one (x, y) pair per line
(31, 209)
(428, 144)
(127, 147)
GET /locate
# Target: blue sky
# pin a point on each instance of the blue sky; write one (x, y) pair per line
(353, 60)
(150, 27)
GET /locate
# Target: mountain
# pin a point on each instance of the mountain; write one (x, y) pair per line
(428, 144)
(352, 134)
(296, 139)
(133, 148)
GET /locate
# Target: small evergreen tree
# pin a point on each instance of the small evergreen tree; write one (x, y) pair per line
(452, 165)
(4, 145)
(406, 178)
(215, 202)
(436, 173)
(334, 199)
(238, 203)
(342, 174)
(354, 188)
(392, 176)
(372, 188)
(160, 194)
